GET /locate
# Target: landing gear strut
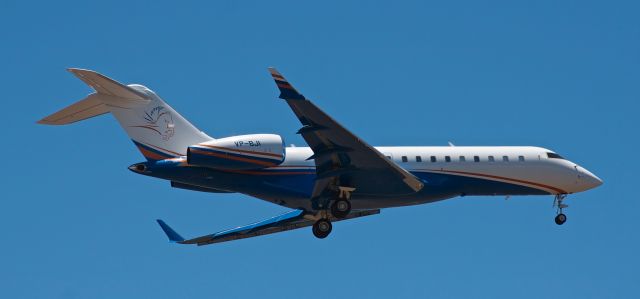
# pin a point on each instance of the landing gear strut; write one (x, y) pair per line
(340, 208)
(322, 228)
(557, 202)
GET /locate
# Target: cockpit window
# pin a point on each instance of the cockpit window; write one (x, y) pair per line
(551, 155)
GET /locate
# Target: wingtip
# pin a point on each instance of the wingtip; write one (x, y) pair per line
(274, 72)
(49, 122)
(173, 236)
(287, 91)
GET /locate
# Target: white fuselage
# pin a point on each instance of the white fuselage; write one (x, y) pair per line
(521, 165)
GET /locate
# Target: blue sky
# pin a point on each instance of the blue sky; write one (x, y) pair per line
(559, 74)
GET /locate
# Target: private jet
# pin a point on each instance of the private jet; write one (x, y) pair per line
(339, 176)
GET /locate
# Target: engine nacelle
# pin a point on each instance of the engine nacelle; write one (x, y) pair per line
(238, 152)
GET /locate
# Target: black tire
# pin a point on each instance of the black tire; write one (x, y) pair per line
(322, 228)
(561, 219)
(340, 208)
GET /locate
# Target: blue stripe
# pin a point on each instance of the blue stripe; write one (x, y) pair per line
(463, 185)
(269, 183)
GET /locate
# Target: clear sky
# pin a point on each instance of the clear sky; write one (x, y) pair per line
(559, 74)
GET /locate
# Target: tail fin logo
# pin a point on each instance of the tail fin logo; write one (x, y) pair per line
(160, 121)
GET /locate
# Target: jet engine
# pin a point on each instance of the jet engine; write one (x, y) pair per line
(241, 152)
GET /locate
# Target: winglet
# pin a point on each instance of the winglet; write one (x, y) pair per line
(171, 234)
(287, 92)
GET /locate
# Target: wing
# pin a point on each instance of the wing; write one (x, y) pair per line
(288, 221)
(342, 158)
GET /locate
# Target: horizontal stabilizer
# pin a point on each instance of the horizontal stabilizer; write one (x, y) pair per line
(105, 85)
(171, 234)
(87, 108)
(108, 93)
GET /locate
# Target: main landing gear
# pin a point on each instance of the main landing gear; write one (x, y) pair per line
(557, 202)
(322, 228)
(340, 208)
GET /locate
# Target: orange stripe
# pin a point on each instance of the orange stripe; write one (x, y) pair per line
(149, 154)
(503, 178)
(164, 149)
(268, 172)
(285, 85)
(241, 151)
(233, 158)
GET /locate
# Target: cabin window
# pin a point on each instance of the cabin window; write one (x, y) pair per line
(389, 157)
(505, 158)
(476, 159)
(433, 159)
(551, 155)
(462, 159)
(418, 159)
(521, 158)
(491, 159)
(447, 158)
(404, 159)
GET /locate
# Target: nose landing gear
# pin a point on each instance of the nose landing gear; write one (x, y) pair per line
(560, 219)
(557, 202)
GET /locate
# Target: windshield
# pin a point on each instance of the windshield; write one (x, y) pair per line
(551, 155)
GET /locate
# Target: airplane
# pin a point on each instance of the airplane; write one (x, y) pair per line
(339, 176)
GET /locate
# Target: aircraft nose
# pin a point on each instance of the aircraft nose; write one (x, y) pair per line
(587, 179)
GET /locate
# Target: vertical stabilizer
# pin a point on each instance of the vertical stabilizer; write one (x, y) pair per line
(156, 129)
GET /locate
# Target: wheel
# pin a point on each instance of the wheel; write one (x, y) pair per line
(322, 228)
(340, 208)
(561, 219)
